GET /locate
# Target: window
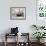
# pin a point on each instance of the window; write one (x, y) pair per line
(41, 8)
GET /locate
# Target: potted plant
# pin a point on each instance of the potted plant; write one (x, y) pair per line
(35, 26)
(39, 35)
(38, 27)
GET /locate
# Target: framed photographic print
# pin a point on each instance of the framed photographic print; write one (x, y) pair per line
(18, 13)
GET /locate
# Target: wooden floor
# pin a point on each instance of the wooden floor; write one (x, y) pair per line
(13, 44)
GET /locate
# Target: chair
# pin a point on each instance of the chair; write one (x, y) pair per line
(7, 35)
(25, 37)
(14, 32)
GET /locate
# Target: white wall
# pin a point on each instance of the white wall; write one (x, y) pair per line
(24, 25)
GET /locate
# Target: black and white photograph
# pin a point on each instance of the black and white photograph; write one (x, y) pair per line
(17, 13)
